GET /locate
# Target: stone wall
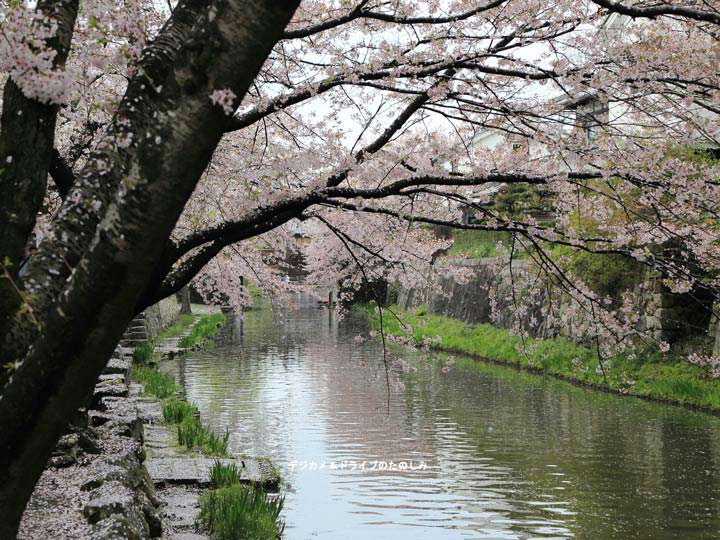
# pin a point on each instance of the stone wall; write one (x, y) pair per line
(676, 318)
(161, 315)
(148, 325)
(470, 301)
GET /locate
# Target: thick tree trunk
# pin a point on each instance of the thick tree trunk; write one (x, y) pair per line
(185, 300)
(225, 50)
(27, 138)
(78, 218)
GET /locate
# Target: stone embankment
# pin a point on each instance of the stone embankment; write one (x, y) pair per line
(673, 317)
(119, 474)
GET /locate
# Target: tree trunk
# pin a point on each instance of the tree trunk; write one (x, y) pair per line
(226, 50)
(27, 139)
(185, 300)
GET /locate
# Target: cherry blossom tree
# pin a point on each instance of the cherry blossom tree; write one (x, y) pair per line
(187, 142)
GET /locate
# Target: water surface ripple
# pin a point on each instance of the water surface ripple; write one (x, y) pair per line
(491, 453)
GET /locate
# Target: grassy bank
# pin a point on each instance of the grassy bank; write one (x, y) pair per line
(230, 511)
(202, 333)
(178, 328)
(478, 244)
(176, 411)
(183, 415)
(648, 375)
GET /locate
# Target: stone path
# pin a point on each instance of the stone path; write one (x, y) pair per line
(180, 477)
(196, 471)
(120, 473)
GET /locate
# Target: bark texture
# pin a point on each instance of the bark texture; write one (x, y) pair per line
(27, 138)
(215, 46)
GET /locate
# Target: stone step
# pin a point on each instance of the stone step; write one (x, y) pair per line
(119, 366)
(132, 343)
(117, 378)
(180, 511)
(166, 352)
(136, 331)
(108, 389)
(186, 470)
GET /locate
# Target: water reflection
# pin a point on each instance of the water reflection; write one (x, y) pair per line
(508, 455)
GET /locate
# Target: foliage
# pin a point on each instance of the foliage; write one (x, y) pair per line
(605, 274)
(240, 512)
(176, 410)
(143, 353)
(643, 373)
(155, 382)
(255, 292)
(523, 199)
(478, 244)
(193, 435)
(224, 474)
(205, 329)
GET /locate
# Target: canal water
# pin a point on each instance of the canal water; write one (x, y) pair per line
(481, 452)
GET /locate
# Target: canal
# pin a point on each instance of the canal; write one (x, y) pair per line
(481, 451)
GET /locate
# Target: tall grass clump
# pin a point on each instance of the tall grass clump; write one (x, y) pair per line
(156, 383)
(192, 434)
(143, 353)
(205, 329)
(175, 411)
(240, 512)
(224, 474)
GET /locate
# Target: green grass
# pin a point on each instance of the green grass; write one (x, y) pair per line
(190, 432)
(193, 435)
(205, 329)
(254, 291)
(478, 244)
(175, 410)
(224, 474)
(143, 353)
(186, 416)
(185, 320)
(238, 512)
(156, 383)
(649, 375)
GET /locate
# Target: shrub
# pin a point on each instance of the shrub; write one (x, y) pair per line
(606, 274)
(241, 513)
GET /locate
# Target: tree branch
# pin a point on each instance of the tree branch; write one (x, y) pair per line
(358, 13)
(658, 10)
(61, 173)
